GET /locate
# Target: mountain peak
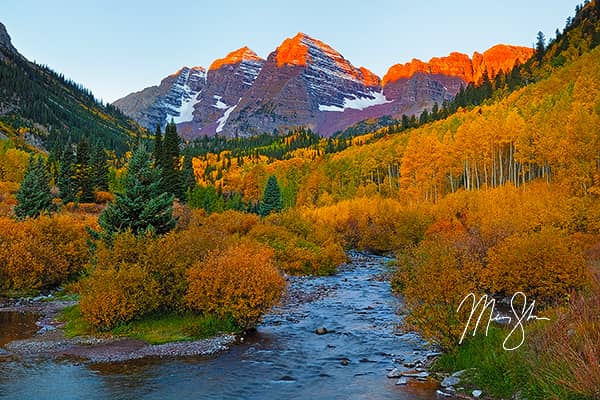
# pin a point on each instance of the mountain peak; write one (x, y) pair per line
(235, 57)
(497, 58)
(5, 38)
(186, 69)
(295, 50)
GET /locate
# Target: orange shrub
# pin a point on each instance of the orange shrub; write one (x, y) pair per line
(233, 222)
(545, 265)
(103, 197)
(117, 295)
(434, 278)
(300, 248)
(241, 282)
(41, 253)
(373, 224)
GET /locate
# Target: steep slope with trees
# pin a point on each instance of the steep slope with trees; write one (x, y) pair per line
(47, 110)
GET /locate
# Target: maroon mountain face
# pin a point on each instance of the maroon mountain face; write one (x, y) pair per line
(305, 82)
(227, 82)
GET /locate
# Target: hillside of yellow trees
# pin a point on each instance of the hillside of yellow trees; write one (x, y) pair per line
(546, 131)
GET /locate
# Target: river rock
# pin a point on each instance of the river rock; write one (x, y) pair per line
(416, 374)
(450, 381)
(395, 373)
(46, 328)
(477, 393)
(442, 393)
(458, 374)
(3, 353)
(321, 331)
(402, 381)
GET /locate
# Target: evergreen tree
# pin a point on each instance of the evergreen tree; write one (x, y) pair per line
(235, 202)
(271, 200)
(486, 90)
(34, 196)
(99, 170)
(142, 206)
(85, 190)
(171, 162)
(158, 146)
(211, 199)
(540, 46)
(64, 181)
(188, 178)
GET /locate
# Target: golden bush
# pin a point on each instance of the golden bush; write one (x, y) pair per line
(545, 265)
(300, 248)
(103, 197)
(434, 278)
(42, 253)
(374, 224)
(118, 294)
(241, 282)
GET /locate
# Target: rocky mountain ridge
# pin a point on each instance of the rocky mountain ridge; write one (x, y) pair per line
(305, 82)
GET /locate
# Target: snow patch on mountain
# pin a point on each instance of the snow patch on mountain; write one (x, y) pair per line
(358, 103)
(220, 105)
(223, 120)
(185, 112)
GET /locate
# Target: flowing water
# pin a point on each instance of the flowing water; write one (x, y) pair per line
(284, 359)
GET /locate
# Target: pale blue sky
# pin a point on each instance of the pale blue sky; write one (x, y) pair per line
(116, 47)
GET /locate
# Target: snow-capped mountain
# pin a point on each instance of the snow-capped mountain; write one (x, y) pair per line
(305, 82)
(173, 99)
(228, 80)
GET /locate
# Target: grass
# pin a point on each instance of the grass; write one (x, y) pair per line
(498, 372)
(155, 328)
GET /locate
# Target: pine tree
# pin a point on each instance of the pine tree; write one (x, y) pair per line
(85, 192)
(271, 200)
(34, 196)
(158, 146)
(171, 162)
(64, 181)
(187, 177)
(540, 46)
(142, 206)
(99, 170)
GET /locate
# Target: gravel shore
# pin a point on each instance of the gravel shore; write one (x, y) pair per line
(50, 339)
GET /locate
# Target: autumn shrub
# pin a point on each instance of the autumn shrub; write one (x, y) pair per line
(545, 265)
(153, 273)
(103, 197)
(374, 224)
(42, 253)
(241, 282)
(300, 247)
(233, 222)
(495, 214)
(159, 265)
(433, 278)
(118, 294)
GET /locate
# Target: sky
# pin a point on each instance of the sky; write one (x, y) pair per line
(117, 47)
